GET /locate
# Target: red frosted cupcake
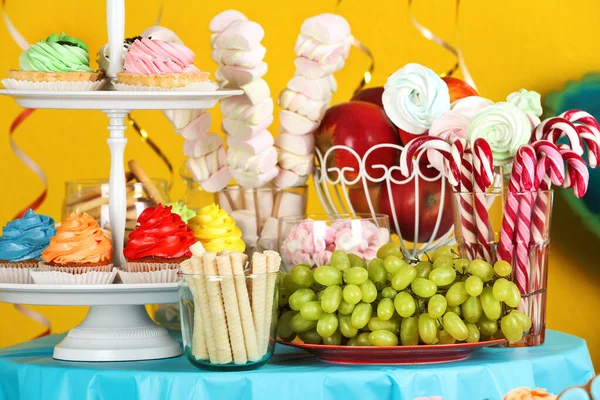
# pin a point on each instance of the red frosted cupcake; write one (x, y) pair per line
(160, 241)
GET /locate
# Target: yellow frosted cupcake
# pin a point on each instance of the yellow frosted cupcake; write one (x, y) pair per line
(216, 230)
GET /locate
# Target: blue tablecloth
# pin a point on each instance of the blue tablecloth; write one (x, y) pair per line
(27, 371)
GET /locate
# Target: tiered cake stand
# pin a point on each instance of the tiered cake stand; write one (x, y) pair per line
(117, 327)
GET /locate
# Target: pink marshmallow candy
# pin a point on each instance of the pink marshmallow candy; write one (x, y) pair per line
(300, 104)
(296, 144)
(252, 180)
(202, 145)
(240, 35)
(327, 28)
(242, 130)
(314, 50)
(314, 70)
(198, 127)
(296, 124)
(288, 179)
(203, 167)
(253, 146)
(258, 164)
(241, 76)
(240, 108)
(217, 181)
(224, 18)
(300, 165)
(319, 89)
(245, 59)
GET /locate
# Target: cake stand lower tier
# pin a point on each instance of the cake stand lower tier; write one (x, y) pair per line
(117, 326)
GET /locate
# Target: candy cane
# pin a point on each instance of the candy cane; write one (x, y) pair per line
(465, 203)
(554, 128)
(452, 172)
(483, 176)
(589, 131)
(577, 176)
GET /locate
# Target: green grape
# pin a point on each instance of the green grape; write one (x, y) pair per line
(405, 304)
(385, 309)
(481, 269)
(327, 275)
(377, 272)
(389, 292)
(423, 288)
(283, 326)
(327, 325)
(353, 341)
(311, 311)
(363, 339)
(474, 285)
(473, 333)
(299, 324)
(499, 335)
(302, 275)
(501, 289)
(345, 308)
(361, 315)
(442, 251)
(332, 297)
(443, 262)
(311, 337)
(383, 338)
(320, 294)
(490, 305)
(524, 320)
(427, 328)
(403, 277)
(377, 324)
(487, 327)
(511, 328)
(444, 337)
(389, 249)
(356, 275)
(333, 340)
(455, 326)
(339, 260)
(457, 294)
(423, 269)
(502, 268)
(437, 306)
(300, 297)
(356, 261)
(455, 309)
(283, 299)
(460, 265)
(409, 331)
(393, 264)
(442, 276)
(471, 309)
(289, 285)
(369, 291)
(346, 327)
(352, 294)
(514, 296)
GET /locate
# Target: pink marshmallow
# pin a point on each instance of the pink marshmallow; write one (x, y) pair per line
(252, 180)
(224, 18)
(180, 118)
(314, 70)
(203, 167)
(245, 59)
(202, 146)
(217, 181)
(322, 53)
(243, 130)
(301, 165)
(327, 28)
(319, 89)
(240, 108)
(305, 106)
(253, 146)
(240, 35)
(296, 124)
(258, 164)
(288, 179)
(296, 144)
(256, 91)
(241, 76)
(198, 127)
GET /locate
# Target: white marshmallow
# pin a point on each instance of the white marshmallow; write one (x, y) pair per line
(240, 35)
(240, 108)
(202, 146)
(301, 165)
(224, 18)
(258, 164)
(296, 124)
(217, 181)
(203, 167)
(251, 180)
(253, 146)
(180, 118)
(322, 53)
(296, 144)
(198, 127)
(269, 235)
(265, 202)
(243, 130)
(300, 104)
(246, 221)
(291, 204)
(319, 89)
(256, 91)
(219, 76)
(314, 70)
(327, 28)
(288, 179)
(245, 59)
(240, 76)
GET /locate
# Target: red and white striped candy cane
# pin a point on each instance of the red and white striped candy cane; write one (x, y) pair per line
(554, 128)
(504, 249)
(589, 131)
(423, 142)
(465, 203)
(577, 176)
(483, 175)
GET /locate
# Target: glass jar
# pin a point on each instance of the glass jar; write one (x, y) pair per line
(195, 197)
(219, 315)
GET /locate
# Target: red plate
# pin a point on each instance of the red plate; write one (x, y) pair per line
(425, 354)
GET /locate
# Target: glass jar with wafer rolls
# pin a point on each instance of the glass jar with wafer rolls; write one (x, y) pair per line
(229, 309)
(91, 196)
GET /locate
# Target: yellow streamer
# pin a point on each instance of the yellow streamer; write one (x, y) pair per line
(368, 74)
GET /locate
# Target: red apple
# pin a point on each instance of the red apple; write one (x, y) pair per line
(359, 200)
(370, 95)
(360, 126)
(458, 89)
(428, 207)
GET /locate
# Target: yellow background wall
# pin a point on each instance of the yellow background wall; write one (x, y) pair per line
(508, 44)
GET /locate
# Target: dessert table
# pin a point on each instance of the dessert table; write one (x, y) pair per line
(27, 371)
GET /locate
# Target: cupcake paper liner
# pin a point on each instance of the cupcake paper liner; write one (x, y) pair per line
(206, 86)
(160, 276)
(68, 86)
(15, 274)
(134, 266)
(74, 269)
(64, 278)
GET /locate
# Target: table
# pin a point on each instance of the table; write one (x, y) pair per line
(27, 371)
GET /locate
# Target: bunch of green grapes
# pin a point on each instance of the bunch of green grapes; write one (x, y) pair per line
(392, 301)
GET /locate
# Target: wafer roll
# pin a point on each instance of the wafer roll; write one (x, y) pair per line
(273, 264)
(199, 350)
(203, 306)
(238, 262)
(259, 283)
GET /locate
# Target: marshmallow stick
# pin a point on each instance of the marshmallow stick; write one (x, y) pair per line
(199, 349)
(273, 264)
(238, 261)
(215, 301)
(257, 212)
(234, 323)
(259, 283)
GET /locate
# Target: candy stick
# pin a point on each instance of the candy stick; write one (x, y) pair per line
(215, 301)
(259, 268)
(232, 311)
(483, 176)
(238, 261)
(199, 349)
(273, 264)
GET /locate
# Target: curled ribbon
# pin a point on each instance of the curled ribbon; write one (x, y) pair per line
(429, 35)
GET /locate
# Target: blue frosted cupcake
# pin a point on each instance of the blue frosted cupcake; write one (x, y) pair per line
(21, 246)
